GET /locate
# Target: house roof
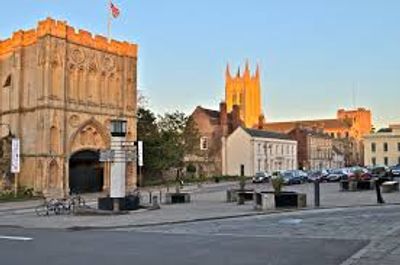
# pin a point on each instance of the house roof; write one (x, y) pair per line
(266, 134)
(324, 123)
(312, 132)
(209, 112)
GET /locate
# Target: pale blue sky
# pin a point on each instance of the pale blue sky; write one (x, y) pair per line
(313, 53)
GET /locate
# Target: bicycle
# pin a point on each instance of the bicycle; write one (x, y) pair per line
(52, 206)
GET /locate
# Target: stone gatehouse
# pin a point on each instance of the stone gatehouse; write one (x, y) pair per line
(60, 88)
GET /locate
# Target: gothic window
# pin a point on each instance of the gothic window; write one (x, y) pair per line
(8, 81)
(54, 140)
(53, 175)
(373, 147)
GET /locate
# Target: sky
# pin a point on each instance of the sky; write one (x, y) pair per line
(316, 56)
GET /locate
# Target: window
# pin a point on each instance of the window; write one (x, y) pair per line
(398, 161)
(333, 135)
(386, 161)
(259, 150)
(7, 82)
(259, 165)
(118, 128)
(373, 147)
(204, 143)
(398, 147)
(347, 134)
(373, 160)
(385, 147)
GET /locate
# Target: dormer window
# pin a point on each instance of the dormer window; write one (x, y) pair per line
(8, 81)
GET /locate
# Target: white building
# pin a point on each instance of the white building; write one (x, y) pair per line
(383, 147)
(247, 151)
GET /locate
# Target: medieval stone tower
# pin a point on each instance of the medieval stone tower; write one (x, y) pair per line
(60, 89)
(244, 90)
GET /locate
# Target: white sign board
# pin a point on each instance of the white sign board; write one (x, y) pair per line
(140, 153)
(15, 161)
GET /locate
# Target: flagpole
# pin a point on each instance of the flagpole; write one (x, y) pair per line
(109, 21)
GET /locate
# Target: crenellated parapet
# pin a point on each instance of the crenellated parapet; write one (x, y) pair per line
(61, 29)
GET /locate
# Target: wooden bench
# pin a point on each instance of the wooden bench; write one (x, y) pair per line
(390, 186)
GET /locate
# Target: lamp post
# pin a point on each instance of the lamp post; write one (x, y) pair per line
(118, 168)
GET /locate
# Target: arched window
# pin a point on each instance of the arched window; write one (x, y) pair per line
(8, 81)
(53, 174)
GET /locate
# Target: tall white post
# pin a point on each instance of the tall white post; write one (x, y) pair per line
(109, 20)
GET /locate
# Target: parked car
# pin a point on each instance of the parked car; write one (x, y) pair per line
(362, 173)
(303, 175)
(395, 171)
(261, 177)
(318, 175)
(382, 172)
(291, 177)
(339, 174)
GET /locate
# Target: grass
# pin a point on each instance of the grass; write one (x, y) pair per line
(23, 195)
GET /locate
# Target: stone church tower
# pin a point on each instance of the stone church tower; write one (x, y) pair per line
(244, 91)
(60, 88)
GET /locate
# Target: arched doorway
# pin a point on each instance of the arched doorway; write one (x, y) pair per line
(85, 172)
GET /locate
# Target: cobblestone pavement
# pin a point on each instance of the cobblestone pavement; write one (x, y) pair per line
(379, 225)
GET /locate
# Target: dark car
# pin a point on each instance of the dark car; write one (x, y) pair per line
(318, 175)
(339, 174)
(381, 172)
(395, 171)
(291, 177)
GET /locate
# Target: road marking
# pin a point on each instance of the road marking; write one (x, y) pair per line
(290, 221)
(17, 238)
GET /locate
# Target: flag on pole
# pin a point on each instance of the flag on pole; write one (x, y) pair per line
(114, 10)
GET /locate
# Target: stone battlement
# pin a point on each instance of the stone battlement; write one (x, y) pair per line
(60, 29)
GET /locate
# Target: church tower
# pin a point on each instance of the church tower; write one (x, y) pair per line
(244, 90)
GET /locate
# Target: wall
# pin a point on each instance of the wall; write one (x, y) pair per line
(239, 151)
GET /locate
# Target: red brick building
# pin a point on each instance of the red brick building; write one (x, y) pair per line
(212, 126)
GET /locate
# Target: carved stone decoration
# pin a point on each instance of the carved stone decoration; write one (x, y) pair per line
(74, 121)
(108, 64)
(53, 175)
(78, 56)
(54, 140)
(90, 135)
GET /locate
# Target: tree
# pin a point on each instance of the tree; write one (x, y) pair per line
(166, 140)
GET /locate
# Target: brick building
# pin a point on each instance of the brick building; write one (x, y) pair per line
(212, 126)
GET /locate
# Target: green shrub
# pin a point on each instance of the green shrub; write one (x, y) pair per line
(277, 183)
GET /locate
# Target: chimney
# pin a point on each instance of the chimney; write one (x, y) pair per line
(261, 121)
(236, 122)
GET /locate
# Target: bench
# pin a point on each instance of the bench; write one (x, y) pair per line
(390, 186)
(177, 197)
(232, 195)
